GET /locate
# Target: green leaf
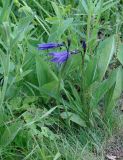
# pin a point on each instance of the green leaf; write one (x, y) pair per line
(5, 64)
(48, 112)
(105, 51)
(51, 88)
(90, 73)
(4, 15)
(20, 30)
(74, 118)
(120, 53)
(57, 156)
(98, 7)
(39, 118)
(58, 28)
(48, 81)
(56, 9)
(44, 73)
(115, 92)
(108, 4)
(85, 6)
(119, 84)
(10, 133)
(75, 93)
(100, 90)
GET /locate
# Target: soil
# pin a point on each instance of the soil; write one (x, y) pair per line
(114, 146)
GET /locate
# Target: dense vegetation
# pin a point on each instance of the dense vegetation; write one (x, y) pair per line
(60, 111)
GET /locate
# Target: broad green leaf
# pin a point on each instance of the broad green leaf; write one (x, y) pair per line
(48, 81)
(120, 53)
(90, 73)
(73, 63)
(119, 84)
(105, 51)
(74, 118)
(100, 90)
(115, 92)
(5, 32)
(5, 64)
(10, 133)
(50, 88)
(44, 73)
(22, 75)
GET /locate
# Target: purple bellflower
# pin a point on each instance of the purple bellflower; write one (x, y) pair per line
(59, 57)
(51, 45)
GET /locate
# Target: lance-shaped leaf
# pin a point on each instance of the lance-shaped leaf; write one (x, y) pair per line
(120, 53)
(102, 88)
(105, 51)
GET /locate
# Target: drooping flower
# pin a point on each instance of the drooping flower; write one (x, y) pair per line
(59, 57)
(51, 45)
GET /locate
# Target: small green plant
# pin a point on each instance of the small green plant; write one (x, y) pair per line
(97, 84)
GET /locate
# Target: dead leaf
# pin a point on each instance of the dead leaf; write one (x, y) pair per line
(110, 157)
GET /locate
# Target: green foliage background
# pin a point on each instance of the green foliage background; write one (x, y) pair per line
(50, 113)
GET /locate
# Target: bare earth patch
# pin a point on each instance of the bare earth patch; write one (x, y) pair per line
(114, 148)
